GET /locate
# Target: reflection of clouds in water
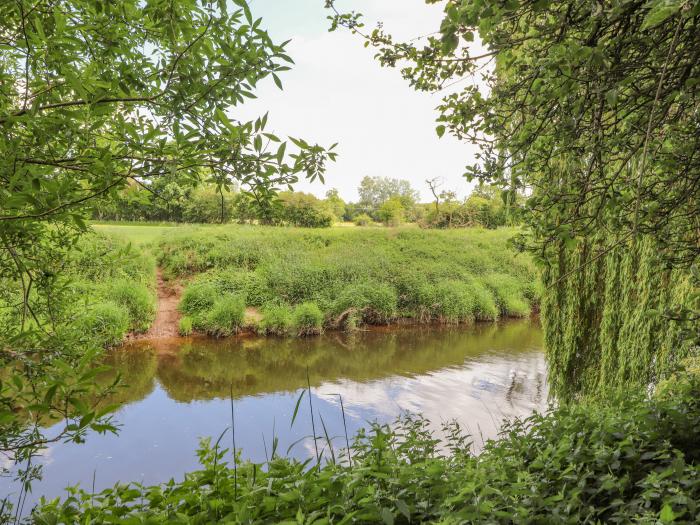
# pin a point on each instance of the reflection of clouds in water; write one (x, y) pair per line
(478, 395)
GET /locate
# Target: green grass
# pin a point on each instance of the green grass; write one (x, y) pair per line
(356, 275)
(138, 233)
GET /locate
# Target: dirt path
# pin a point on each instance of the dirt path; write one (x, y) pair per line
(167, 317)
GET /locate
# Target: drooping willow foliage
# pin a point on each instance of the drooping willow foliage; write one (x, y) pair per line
(616, 321)
(593, 108)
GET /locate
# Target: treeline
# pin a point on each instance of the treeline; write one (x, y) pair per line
(386, 201)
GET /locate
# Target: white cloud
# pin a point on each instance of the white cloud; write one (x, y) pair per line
(337, 92)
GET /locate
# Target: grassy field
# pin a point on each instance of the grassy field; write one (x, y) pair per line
(137, 233)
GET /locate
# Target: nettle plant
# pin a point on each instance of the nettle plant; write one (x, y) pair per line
(95, 96)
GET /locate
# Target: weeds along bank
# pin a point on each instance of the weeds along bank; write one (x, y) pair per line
(97, 292)
(632, 461)
(303, 281)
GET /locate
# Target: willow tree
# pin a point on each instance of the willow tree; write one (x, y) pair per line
(95, 96)
(594, 109)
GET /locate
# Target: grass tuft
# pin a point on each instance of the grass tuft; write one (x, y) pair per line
(307, 319)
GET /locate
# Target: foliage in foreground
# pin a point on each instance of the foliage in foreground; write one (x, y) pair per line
(635, 460)
(92, 293)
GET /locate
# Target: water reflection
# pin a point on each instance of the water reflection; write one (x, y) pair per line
(179, 391)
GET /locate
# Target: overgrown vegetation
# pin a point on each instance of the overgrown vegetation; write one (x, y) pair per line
(633, 461)
(353, 276)
(592, 111)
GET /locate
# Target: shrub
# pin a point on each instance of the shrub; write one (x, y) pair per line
(106, 323)
(186, 326)
(362, 220)
(276, 320)
(226, 316)
(197, 298)
(307, 319)
(509, 294)
(373, 303)
(137, 300)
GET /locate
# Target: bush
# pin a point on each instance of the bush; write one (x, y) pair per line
(198, 297)
(276, 320)
(185, 326)
(362, 220)
(373, 303)
(226, 316)
(106, 323)
(137, 300)
(307, 319)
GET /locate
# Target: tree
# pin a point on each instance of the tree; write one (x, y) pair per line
(376, 190)
(303, 209)
(391, 212)
(336, 204)
(592, 109)
(95, 96)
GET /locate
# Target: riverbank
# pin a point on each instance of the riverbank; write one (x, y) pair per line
(300, 282)
(125, 282)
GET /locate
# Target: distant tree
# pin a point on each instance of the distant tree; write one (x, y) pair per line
(336, 204)
(392, 211)
(303, 209)
(376, 190)
(204, 204)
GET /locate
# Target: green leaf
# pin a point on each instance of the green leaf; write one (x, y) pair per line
(667, 515)
(660, 12)
(296, 408)
(440, 130)
(387, 516)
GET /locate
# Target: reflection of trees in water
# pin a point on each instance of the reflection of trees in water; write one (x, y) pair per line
(137, 367)
(206, 369)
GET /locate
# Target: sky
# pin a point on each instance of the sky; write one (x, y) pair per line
(337, 92)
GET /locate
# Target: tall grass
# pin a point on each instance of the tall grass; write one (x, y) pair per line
(357, 276)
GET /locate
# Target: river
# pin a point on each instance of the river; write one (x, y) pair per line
(179, 390)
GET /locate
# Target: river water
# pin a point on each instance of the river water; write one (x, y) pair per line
(179, 391)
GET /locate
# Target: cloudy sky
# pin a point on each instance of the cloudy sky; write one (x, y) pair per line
(337, 92)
